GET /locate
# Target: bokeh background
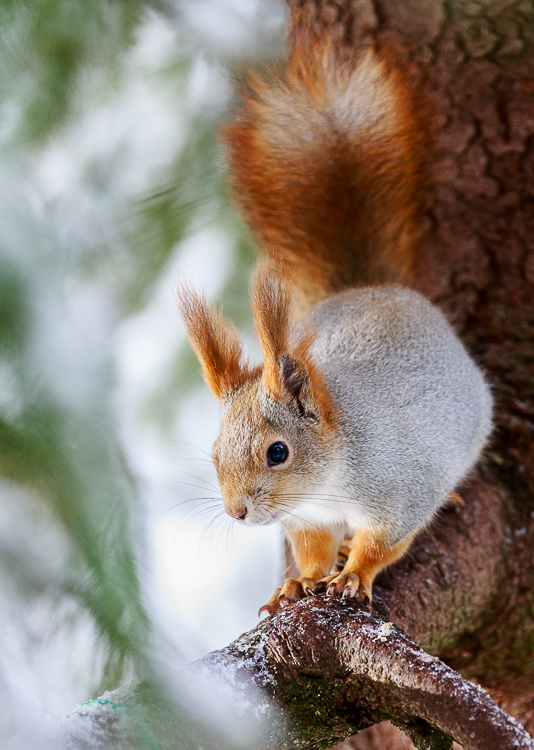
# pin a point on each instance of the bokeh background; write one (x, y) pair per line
(114, 554)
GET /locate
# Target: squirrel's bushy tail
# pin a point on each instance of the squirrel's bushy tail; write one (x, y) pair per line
(325, 160)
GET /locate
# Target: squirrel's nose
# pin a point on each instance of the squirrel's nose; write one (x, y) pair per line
(240, 514)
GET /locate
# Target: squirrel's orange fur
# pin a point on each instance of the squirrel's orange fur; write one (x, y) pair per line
(214, 340)
(325, 160)
(270, 306)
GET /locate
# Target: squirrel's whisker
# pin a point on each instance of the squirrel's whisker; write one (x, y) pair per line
(192, 445)
(185, 522)
(190, 500)
(192, 458)
(189, 484)
(288, 532)
(199, 479)
(342, 498)
(290, 512)
(209, 527)
(199, 513)
(309, 497)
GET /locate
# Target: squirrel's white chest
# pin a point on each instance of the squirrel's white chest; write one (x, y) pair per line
(328, 504)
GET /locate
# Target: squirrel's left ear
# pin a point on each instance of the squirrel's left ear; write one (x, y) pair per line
(271, 308)
(214, 340)
(288, 372)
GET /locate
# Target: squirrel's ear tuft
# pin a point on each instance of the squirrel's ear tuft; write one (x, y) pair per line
(271, 308)
(214, 341)
(289, 372)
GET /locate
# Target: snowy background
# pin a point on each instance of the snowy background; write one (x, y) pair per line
(113, 551)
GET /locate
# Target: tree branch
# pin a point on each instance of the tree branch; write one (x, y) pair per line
(308, 677)
(334, 668)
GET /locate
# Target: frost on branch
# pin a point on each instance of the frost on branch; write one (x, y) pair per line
(334, 668)
(312, 675)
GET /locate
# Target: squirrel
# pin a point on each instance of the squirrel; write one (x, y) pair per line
(367, 411)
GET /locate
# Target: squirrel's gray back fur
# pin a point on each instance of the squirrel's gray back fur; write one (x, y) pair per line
(414, 410)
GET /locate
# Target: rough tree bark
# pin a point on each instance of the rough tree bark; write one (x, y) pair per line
(465, 592)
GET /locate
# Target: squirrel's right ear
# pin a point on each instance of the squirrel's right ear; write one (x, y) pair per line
(214, 341)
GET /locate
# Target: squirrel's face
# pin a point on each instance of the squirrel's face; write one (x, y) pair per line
(276, 438)
(269, 452)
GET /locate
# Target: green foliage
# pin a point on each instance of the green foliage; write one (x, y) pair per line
(73, 466)
(13, 313)
(164, 217)
(45, 47)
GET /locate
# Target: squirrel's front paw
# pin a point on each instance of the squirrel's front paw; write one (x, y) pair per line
(292, 590)
(346, 585)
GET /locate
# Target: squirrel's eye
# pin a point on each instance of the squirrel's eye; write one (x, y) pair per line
(277, 454)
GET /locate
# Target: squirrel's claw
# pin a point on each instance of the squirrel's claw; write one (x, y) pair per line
(292, 590)
(307, 586)
(322, 585)
(273, 605)
(346, 585)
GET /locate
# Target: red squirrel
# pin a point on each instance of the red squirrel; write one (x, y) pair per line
(367, 411)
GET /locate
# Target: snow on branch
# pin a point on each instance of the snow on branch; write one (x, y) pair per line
(333, 668)
(306, 678)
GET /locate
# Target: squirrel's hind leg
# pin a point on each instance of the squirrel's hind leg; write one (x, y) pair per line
(314, 551)
(370, 553)
(457, 499)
